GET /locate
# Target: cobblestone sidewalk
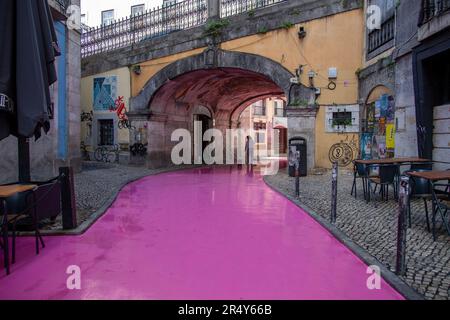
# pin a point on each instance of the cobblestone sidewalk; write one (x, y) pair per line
(373, 227)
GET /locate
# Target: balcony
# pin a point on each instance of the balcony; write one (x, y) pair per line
(233, 7)
(435, 17)
(150, 24)
(380, 38)
(434, 8)
(158, 22)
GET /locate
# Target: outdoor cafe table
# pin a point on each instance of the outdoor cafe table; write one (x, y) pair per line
(392, 161)
(431, 176)
(5, 193)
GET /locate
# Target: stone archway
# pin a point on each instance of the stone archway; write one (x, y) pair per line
(216, 59)
(224, 82)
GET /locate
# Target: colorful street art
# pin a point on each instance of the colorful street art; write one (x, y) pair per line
(105, 93)
(378, 142)
(366, 146)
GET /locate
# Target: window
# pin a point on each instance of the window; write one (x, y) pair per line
(168, 3)
(260, 131)
(382, 38)
(137, 9)
(342, 118)
(259, 126)
(261, 137)
(259, 109)
(107, 17)
(279, 108)
(106, 131)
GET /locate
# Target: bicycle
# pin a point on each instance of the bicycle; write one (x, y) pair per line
(121, 111)
(84, 152)
(138, 149)
(125, 124)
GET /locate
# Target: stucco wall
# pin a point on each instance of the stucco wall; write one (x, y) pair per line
(87, 96)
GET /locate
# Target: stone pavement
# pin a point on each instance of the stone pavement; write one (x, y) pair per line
(373, 227)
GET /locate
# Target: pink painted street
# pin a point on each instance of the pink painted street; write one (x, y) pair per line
(216, 233)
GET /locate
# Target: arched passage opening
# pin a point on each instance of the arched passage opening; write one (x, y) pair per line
(214, 87)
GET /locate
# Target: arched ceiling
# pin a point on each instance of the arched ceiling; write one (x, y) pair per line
(221, 89)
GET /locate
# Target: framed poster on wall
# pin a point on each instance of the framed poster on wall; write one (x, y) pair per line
(366, 146)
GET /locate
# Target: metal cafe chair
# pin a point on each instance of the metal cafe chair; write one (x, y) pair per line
(22, 207)
(359, 172)
(43, 202)
(8, 214)
(441, 205)
(420, 189)
(387, 176)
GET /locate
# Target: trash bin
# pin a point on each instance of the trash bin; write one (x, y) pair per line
(298, 144)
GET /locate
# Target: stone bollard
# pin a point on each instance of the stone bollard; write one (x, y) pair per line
(402, 225)
(297, 174)
(69, 209)
(334, 189)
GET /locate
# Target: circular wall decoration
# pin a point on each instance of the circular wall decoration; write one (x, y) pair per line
(342, 153)
(332, 85)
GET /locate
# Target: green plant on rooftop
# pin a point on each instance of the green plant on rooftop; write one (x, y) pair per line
(286, 25)
(215, 28)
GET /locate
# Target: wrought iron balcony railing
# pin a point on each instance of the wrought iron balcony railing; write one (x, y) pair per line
(433, 8)
(150, 24)
(234, 7)
(158, 22)
(379, 37)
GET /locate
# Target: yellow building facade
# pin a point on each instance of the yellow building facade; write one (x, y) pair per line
(326, 58)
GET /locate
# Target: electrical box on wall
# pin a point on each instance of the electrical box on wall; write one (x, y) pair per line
(332, 73)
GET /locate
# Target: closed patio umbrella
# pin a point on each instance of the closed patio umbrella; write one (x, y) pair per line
(27, 56)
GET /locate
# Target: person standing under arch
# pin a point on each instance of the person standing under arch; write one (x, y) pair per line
(249, 152)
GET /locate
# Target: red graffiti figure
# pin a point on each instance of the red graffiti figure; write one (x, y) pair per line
(120, 109)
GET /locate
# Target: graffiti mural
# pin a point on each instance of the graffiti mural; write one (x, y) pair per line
(344, 152)
(105, 93)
